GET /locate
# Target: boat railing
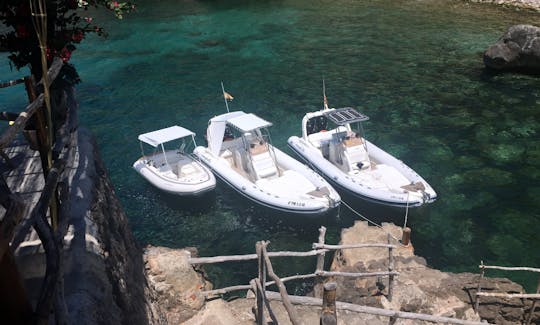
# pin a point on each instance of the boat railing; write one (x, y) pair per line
(328, 302)
(531, 296)
(47, 218)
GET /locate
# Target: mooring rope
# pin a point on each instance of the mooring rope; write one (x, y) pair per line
(372, 222)
(406, 210)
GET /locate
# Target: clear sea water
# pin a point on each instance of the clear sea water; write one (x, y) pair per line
(414, 67)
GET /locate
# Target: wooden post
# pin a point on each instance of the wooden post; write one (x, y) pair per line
(328, 315)
(477, 302)
(293, 316)
(390, 269)
(531, 313)
(320, 256)
(406, 237)
(261, 279)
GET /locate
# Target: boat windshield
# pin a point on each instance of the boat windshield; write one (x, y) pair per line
(316, 124)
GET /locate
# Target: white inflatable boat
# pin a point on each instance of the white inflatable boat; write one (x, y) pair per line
(332, 143)
(241, 154)
(173, 171)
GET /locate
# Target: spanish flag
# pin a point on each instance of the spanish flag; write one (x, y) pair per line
(227, 96)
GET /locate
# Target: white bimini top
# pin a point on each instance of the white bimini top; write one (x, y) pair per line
(155, 138)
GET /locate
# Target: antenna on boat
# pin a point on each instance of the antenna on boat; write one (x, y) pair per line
(325, 101)
(226, 97)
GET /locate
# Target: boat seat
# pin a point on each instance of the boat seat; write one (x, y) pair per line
(185, 169)
(355, 155)
(227, 156)
(263, 165)
(323, 137)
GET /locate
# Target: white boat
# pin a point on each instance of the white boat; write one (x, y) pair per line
(173, 170)
(332, 143)
(241, 154)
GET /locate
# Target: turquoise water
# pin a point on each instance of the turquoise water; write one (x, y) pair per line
(414, 67)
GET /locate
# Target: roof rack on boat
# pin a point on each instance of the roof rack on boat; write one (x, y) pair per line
(345, 115)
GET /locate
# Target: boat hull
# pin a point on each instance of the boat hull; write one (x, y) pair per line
(353, 186)
(197, 184)
(274, 199)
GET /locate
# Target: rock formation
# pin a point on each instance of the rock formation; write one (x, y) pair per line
(104, 279)
(518, 49)
(418, 288)
(177, 284)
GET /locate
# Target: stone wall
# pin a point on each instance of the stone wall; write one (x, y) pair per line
(103, 265)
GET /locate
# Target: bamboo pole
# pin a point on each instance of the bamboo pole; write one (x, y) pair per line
(335, 247)
(533, 306)
(266, 302)
(11, 83)
(357, 275)
(390, 270)
(328, 314)
(406, 236)
(509, 295)
(261, 278)
(507, 268)
(211, 293)
(309, 301)
(247, 257)
(293, 316)
(479, 289)
(320, 257)
(11, 132)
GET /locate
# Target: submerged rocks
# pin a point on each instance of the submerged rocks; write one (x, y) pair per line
(518, 50)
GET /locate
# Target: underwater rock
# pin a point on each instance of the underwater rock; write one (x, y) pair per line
(517, 50)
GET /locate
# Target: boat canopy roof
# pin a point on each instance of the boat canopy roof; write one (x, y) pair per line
(345, 115)
(248, 122)
(155, 138)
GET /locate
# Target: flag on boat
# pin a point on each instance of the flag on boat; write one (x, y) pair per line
(325, 102)
(227, 96)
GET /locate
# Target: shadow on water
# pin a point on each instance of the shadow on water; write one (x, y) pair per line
(189, 204)
(269, 218)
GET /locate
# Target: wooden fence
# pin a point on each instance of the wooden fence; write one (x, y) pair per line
(49, 217)
(532, 296)
(328, 303)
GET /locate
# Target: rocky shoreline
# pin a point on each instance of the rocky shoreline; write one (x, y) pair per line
(417, 289)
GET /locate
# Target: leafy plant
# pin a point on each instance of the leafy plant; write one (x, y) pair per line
(67, 25)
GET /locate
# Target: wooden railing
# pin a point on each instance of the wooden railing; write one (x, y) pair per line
(51, 231)
(532, 296)
(262, 296)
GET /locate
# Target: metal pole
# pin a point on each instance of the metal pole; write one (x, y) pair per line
(224, 97)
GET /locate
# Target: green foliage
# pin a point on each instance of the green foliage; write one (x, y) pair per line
(67, 25)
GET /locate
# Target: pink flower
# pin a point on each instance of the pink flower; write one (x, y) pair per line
(65, 55)
(115, 4)
(88, 19)
(77, 36)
